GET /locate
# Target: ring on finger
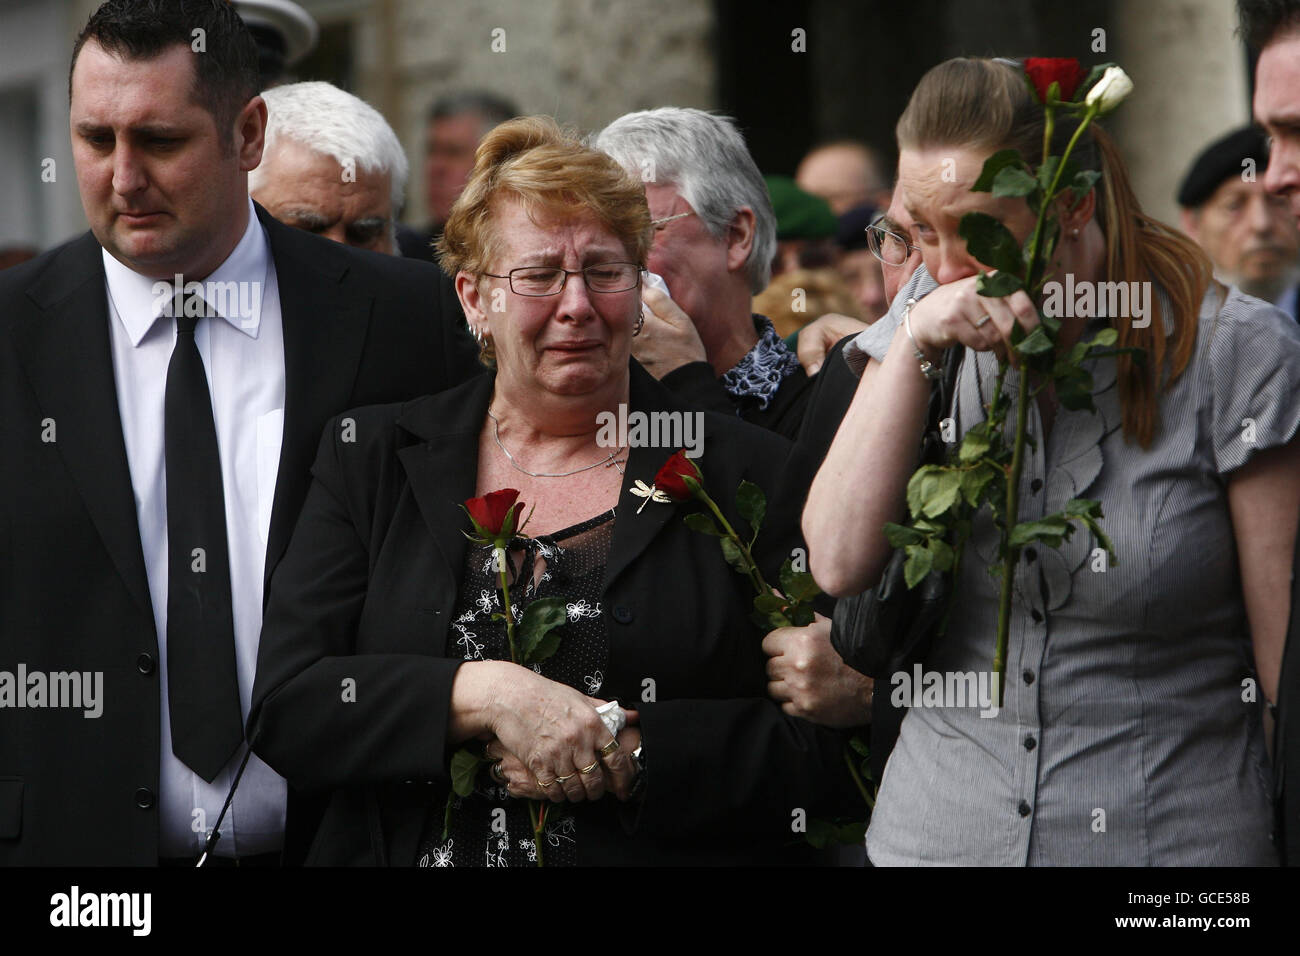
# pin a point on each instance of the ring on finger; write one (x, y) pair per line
(982, 320)
(610, 747)
(497, 771)
(563, 777)
(549, 783)
(586, 770)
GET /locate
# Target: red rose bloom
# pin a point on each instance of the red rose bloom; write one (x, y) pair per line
(669, 478)
(490, 512)
(1067, 72)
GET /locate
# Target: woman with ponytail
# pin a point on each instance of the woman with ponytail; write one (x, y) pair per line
(1132, 728)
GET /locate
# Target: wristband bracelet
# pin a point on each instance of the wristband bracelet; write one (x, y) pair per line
(929, 369)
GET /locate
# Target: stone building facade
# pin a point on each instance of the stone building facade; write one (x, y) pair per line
(793, 72)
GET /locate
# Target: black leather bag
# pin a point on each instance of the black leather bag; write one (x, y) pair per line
(889, 628)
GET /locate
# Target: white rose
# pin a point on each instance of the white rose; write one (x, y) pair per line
(1111, 90)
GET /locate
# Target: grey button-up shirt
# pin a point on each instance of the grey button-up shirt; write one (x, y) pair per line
(1131, 729)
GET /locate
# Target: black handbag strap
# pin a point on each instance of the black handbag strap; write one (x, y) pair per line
(942, 393)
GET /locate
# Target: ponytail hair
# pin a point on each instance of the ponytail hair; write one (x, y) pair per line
(1141, 249)
(986, 105)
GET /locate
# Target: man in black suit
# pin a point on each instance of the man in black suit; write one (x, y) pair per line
(164, 380)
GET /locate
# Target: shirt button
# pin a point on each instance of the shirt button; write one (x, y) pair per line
(1028, 675)
(144, 798)
(1030, 743)
(144, 664)
(623, 614)
(1037, 615)
(1036, 485)
(1030, 555)
(1024, 809)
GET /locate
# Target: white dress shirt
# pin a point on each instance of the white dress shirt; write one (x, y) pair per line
(243, 357)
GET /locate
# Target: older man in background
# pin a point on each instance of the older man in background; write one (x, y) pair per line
(846, 173)
(1250, 235)
(714, 241)
(457, 123)
(332, 166)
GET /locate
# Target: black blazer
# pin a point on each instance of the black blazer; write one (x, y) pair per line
(358, 327)
(367, 591)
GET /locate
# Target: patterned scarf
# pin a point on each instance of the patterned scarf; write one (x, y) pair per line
(760, 373)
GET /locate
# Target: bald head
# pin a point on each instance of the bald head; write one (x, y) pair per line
(846, 174)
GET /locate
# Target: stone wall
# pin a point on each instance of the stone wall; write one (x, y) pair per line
(585, 62)
(1191, 86)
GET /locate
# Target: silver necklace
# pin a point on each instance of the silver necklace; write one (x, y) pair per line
(608, 461)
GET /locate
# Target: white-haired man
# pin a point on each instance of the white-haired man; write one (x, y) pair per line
(332, 166)
(714, 239)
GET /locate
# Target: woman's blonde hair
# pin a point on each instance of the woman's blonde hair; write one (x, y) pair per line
(551, 173)
(987, 105)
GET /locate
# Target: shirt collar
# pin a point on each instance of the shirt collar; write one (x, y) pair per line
(234, 290)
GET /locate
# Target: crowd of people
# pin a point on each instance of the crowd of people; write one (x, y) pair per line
(244, 518)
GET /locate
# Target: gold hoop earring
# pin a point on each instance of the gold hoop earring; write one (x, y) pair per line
(640, 323)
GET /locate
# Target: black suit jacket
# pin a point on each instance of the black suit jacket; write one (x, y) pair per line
(368, 589)
(358, 327)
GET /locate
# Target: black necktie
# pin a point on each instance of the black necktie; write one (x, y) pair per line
(203, 687)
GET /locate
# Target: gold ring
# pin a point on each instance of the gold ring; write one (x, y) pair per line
(594, 764)
(563, 778)
(610, 747)
(544, 785)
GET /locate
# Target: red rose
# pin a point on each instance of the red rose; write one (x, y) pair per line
(491, 513)
(1043, 71)
(669, 478)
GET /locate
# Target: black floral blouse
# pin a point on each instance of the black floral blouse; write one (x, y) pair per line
(489, 827)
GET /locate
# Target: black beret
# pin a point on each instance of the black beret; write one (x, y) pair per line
(1220, 161)
(851, 233)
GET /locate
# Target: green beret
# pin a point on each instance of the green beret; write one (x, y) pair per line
(799, 215)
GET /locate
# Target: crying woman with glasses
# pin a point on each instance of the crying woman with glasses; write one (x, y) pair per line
(687, 760)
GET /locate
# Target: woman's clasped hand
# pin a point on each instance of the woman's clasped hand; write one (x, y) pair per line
(549, 743)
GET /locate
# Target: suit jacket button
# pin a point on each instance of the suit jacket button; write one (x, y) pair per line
(144, 663)
(623, 614)
(144, 798)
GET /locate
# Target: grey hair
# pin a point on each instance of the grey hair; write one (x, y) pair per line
(333, 122)
(705, 157)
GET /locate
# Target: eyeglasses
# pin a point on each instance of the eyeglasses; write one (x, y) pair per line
(887, 245)
(659, 224)
(540, 280)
